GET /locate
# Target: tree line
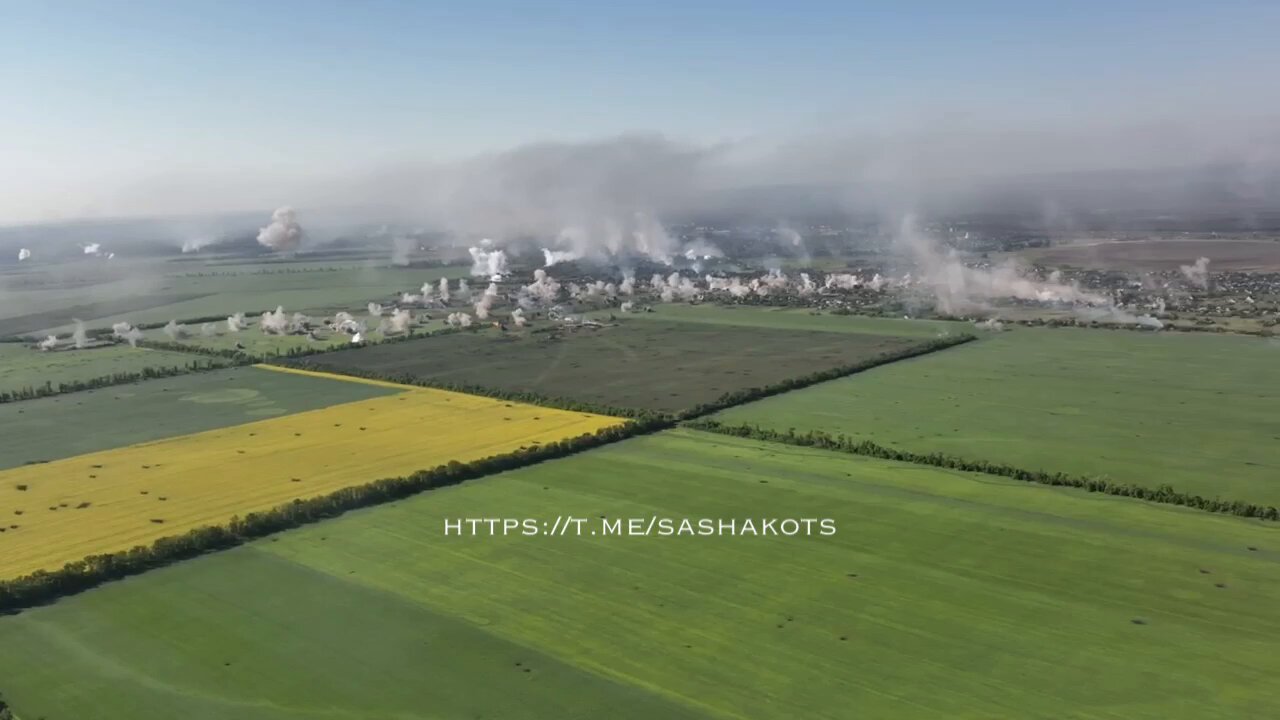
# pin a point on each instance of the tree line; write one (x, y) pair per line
(842, 443)
(48, 389)
(44, 586)
(739, 397)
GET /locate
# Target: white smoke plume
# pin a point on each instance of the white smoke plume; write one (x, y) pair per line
(842, 281)
(402, 250)
(345, 322)
(444, 290)
(626, 306)
(458, 319)
(1198, 273)
(174, 330)
(208, 329)
(555, 257)
(48, 343)
(544, 289)
(23, 254)
(628, 284)
(236, 323)
(990, 324)
(674, 287)
(127, 332)
(79, 336)
(517, 317)
(958, 288)
(375, 309)
(464, 291)
(397, 324)
(486, 301)
(487, 261)
(93, 249)
(357, 338)
(192, 245)
(1118, 316)
(274, 323)
(284, 234)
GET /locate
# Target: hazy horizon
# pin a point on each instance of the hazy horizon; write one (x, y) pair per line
(508, 119)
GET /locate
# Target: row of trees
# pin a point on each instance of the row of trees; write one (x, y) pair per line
(841, 443)
(744, 396)
(45, 586)
(48, 389)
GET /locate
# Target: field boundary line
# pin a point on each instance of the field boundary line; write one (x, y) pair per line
(1164, 494)
(336, 376)
(104, 381)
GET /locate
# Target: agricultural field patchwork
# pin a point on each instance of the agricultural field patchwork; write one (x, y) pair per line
(1002, 599)
(1194, 411)
(648, 365)
(116, 499)
(94, 420)
(22, 366)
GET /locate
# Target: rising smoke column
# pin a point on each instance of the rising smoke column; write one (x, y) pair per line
(174, 330)
(274, 323)
(235, 323)
(444, 290)
(485, 303)
(127, 332)
(397, 324)
(1198, 273)
(487, 261)
(48, 343)
(284, 234)
(958, 289)
(79, 336)
(23, 254)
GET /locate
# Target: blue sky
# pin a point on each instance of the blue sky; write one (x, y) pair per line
(96, 96)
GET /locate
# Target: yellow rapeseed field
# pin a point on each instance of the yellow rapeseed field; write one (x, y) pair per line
(113, 500)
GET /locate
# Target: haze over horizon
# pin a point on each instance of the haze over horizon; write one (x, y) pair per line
(494, 111)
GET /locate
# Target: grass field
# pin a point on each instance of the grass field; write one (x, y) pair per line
(639, 364)
(94, 420)
(115, 499)
(1197, 412)
(21, 366)
(941, 595)
(794, 319)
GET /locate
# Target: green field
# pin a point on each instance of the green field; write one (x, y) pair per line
(794, 319)
(82, 422)
(192, 292)
(941, 595)
(21, 366)
(638, 364)
(1195, 411)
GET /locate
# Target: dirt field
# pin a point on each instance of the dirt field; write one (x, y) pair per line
(1246, 255)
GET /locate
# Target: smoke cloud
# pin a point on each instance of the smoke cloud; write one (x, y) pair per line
(284, 234)
(174, 330)
(488, 262)
(79, 336)
(23, 254)
(1198, 273)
